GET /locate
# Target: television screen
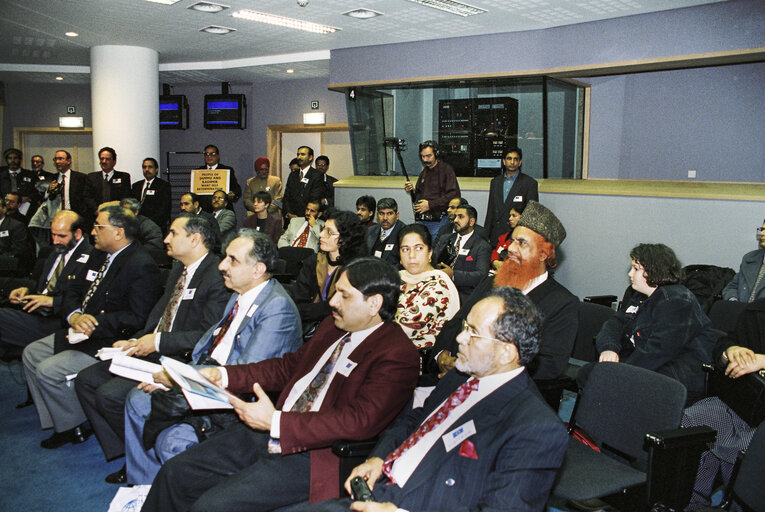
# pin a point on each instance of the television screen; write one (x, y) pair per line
(225, 111)
(173, 112)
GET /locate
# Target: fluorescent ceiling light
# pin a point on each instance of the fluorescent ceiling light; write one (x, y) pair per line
(164, 2)
(59, 78)
(208, 7)
(281, 21)
(71, 34)
(70, 122)
(217, 30)
(451, 6)
(362, 14)
(314, 118)
(290, 71)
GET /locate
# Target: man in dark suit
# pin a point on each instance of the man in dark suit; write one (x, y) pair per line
(471, 256)
(12, 203)
(447, 229)
(17, 251)
(302, 185)
(40, 311)
(327, 181)
(149, 234)
(510, 188)
(225, 218)
(212, 161)
(382, 238)
(112, 301)
(193, 301)
(107, 185)
(15, 179)
(491, 442)
(349, 382)
(65, 192)
(154, 194)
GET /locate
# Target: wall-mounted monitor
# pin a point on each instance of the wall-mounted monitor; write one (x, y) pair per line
(173, 112)
(225, 111)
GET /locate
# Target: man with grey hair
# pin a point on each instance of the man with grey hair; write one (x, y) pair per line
(112, 301)
(149, 234)
(259, 322)
(382, 238)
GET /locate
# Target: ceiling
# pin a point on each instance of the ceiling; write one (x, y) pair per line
(34, 49)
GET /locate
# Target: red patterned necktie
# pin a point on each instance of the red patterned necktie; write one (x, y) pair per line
(303, 238)
(456, 398)
(224, 326)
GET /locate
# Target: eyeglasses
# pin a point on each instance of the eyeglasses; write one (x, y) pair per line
(329, 233)
(210, 153)
(471, 332)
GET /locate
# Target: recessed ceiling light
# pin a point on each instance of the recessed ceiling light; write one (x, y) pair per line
(59, 78)
(281, 21)
(451, 6)
(362, 14)
(208, 7)
(164, 2)
(290, 70)
(214, 29)
(71, 34)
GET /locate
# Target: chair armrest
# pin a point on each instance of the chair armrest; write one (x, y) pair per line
(345, 448)
(603, 300)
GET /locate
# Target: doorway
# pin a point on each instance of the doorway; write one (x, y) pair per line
(46, 141)
(332, 140)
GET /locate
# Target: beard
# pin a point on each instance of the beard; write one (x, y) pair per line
(516, 274)
(64, 248)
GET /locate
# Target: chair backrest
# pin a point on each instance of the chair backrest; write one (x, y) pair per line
(592, 316)
(725, 313)
(294, 256)
(748, 488)
(621, 403)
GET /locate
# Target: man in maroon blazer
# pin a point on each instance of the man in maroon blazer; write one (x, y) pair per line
(349, 382)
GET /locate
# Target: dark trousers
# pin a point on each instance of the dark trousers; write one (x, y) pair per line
(231, 471)
(102, 396)
(21, 328)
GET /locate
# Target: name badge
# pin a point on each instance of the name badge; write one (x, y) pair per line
(3, 233)
(268, 189)
(518, 199)
(252, 310)
(117, 180)
(378, 254)
(459, 434)
(464, 252)
(389, 247)
(91, 276)
(632, 309)
(189, 293)
(150, 192)
(83, 258)
(27, 178)
(346, 368)
(217, 331)
(304, 180)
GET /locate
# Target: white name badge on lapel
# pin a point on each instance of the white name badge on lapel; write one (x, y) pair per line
(91, 276)
(150, 192)
(83, 258)
(389, 247)
(252, 310)
(459, 434)
(189, 293)
(268, 189)
(347, 368)
(117, 181)
(3, 234)
(304, 180)
(518, 199)
(27, 178)
(378, 254)
(464, 252)
(632, 309)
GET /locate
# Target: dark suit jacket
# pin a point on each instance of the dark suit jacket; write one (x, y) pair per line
(156, 205)
(297, 194)
(524, 188)
(196, 314)
(215, 228)
(328, 188)
(740, 287)
(206, 201)
(519, 444)
(121, 303)
(358, 406)
(74, 269)
(25, 182)
(77, 198)
(273, 226)
(149, 233)
(447, 230)
(16, 246)
(96, 193)
(388, 253)
(471, 268)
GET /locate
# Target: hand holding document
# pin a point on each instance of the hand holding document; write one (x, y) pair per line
(135, 369)
(200, 392)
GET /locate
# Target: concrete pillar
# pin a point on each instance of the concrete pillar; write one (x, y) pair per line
(124, 85)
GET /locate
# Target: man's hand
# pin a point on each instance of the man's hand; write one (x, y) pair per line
(446, 269)
(256, 415)
(446, 362)
(148, 388)
(143, 346)
(82, 323)
(422, 206)
(230, 196)
(311, 220)
(37, 301)
(373, 506)
(121, 343)
(608, 356)
(162, 377)
(18, 294)
(212, 374)
(53, 186)
(370, 470)
(408, 186)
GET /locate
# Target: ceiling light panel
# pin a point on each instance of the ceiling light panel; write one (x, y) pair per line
(362, 14)
(451, 6)
(208, 7)
(164, 2)
(217, 30)
(281, 21)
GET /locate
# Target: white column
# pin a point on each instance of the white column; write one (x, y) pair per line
(124, 85)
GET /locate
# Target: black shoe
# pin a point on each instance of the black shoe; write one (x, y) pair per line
(118, 477)
(80, 435)
(75, 435)
(26, 403)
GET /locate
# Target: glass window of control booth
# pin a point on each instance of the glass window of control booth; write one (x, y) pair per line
(472, 123)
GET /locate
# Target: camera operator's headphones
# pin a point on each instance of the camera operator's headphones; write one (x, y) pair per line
(431, 144)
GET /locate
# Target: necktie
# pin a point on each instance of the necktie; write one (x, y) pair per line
(456, 250)
(757, 281)
(56, 274)
(172, 305)
(64, 205)
(94, 284)
(14, 181)
(308, 397)
(303, 238)
(143, 192)
(224, 326)
(105, 189)
(456, 398)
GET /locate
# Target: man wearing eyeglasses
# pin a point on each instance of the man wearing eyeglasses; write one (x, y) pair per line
(212, 161)
(749, 284)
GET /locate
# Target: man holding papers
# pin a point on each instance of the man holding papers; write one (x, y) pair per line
(260, 321)
(349, 382)
(193, 301)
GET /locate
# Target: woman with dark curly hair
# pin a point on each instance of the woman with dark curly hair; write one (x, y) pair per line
(662, 328)
(341, 240)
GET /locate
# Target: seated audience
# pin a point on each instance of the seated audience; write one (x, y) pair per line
(382, 238)
(149, 234)
(365, 210)
(749, 284)
(12, 204)
(225, 218)
(497, 255)
(263, 181)
(263, 220)
(662, 328)
(349, 382)
(448, 229)
(342, 240)
(304, 231)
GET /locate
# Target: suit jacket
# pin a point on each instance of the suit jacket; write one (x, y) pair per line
(297, 194)
(25, 182)
(470, 268)
(519, 444)
(16, 247)
(389, 248)
(272, 185)
(327, 183)
(226, 222)
(77, 196)
(271, 330)
(294, 230)
(196, 313)
(273, 227)
(121, 303)
(149, 233)
(356, 407)
(157, 201)
(74, 269)
(447, 230)
(96, 192)
(205, 201)
(524, 188)
(740, 287)
(215, 228)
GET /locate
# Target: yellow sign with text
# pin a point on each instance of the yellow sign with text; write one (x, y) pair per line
(206, 181)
